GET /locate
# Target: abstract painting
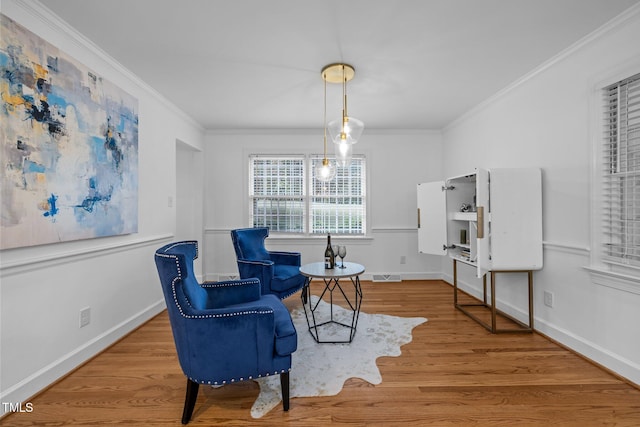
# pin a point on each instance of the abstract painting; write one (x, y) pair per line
(68, 146)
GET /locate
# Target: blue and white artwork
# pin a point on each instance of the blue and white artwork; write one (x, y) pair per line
(69, 146)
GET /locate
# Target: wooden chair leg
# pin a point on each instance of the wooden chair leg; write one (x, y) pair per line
(190, 400)
(284, 385)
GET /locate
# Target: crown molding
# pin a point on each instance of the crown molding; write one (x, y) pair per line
(610, 26)
(48, 18)
(318, 131)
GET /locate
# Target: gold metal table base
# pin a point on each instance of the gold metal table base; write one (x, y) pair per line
(521, 327)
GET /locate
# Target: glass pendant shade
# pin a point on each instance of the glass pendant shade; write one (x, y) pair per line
(345, 131)
(349, 132)
(344, 153)
(325, 171)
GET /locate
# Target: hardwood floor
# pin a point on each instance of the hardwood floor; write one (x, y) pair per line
(454, 372)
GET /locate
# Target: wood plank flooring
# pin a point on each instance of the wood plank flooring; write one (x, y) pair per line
(454, 372)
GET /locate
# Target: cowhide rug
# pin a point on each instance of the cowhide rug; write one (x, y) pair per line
(322, 369)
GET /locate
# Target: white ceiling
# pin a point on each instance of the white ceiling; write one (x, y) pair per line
(420, 64)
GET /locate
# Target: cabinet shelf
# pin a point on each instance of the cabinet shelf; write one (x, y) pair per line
(463, 259)
(504, 234)
(464, 216)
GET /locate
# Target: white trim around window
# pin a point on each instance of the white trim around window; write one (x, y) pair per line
(610, 263)
(284, 195)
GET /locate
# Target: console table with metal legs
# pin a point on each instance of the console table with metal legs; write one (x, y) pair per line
(522, 327)
(332, 282)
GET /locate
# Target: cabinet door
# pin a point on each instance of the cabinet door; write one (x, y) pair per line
(432, 218)
(516, 219)
(483, 224)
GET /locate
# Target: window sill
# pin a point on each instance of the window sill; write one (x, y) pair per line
(312, 239)
(611, 279)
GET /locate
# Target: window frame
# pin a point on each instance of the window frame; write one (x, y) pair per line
(301, 186)
(308, 195)
(620, 173)
(603, 271)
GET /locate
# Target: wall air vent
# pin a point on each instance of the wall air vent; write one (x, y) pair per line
(387, 278)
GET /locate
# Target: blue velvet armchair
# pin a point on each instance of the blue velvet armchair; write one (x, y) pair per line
(279, 272)
(223, 331)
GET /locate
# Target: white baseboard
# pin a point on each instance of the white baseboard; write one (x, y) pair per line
(601, 356)
(366, 276)
(46, 376)
(625, 368)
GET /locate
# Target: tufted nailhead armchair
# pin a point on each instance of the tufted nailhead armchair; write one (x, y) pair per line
(223, 331)
(279, 272)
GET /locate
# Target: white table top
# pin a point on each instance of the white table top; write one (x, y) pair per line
(316, 269)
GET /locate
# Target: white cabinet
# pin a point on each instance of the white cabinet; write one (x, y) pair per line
(490, 219)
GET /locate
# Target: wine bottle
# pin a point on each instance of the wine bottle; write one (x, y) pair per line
(329, 256)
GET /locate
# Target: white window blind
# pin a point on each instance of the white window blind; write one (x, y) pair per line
(621, 175)
(286, 197)
(338, 206)
(277, 192)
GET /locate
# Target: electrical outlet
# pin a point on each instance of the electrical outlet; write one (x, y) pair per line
(85, 317)
(403, 259)
(548, 299)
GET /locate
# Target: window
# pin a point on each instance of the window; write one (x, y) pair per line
(621, 173)
(338, 206)
(277, 192)
(285, 196)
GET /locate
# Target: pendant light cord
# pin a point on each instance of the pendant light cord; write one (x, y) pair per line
(324, 118)
(344, 98)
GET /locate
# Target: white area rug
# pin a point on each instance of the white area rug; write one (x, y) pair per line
(322, 369)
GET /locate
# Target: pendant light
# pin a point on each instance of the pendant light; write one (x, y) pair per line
(344, 153)
(346, 130)
(326, 170)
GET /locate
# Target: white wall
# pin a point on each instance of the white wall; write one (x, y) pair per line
(542, 121)
(396, 162)
(189, 200)
(546, 120)
(43, 288)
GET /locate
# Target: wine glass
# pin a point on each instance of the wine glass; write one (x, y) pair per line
(342, 252)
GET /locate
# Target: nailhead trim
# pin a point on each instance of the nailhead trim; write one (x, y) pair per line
(268, 263)
(194, 242)
(228, 284)
(232, 380)
(206, 316)
(284, 253)
(289, 294)
(213, 284)
(246, 261)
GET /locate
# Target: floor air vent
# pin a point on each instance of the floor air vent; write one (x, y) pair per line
(387, 278)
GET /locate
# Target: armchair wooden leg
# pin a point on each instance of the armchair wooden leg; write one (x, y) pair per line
(190, 400)
(284, 385)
